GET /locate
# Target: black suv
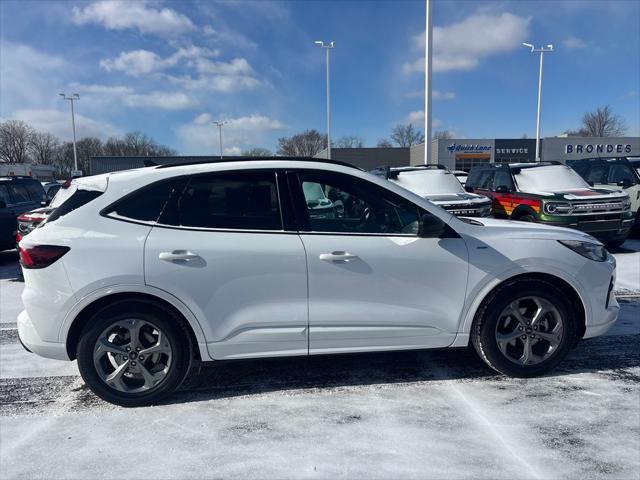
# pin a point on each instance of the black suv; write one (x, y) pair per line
(17, 195)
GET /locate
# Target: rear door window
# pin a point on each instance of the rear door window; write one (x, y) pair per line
(19, 193)
(4, 194)
(240, 200)
(620, 172)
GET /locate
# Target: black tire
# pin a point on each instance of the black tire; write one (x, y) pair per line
(176, 335)
(483, 331)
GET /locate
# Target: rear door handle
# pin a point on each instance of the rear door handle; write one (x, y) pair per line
(178, 256)
(338, 256)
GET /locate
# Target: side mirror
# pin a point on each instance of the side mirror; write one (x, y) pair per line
(468, 188)
(430, 226)
(3, 204)
(626, 183)
(502, 189)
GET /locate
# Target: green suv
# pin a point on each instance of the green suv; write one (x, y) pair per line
(552, 193)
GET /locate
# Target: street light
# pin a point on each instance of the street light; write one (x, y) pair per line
(541, 50)
(73, 98)
(219, 125)
(427, 81)
(327, 48)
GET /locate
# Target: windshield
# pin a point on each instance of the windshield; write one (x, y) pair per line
(554, 178)
(430, 182)
(313, 191)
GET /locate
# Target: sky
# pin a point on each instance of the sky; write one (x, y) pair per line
(170, 68)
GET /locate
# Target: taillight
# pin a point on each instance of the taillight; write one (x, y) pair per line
(41, 256)
(18, 237)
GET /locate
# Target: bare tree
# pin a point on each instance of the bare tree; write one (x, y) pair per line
(305, 144)
(349, 141)
(88, 147)
(600, 123)
(442, 135)
(15, 141)
(257, 152)
(43, 148)
(384, 143)
(406, 135)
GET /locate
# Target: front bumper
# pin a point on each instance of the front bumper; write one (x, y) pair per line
(32, 342)
(607, 320)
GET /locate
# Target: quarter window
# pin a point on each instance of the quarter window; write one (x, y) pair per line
(344, 204)
(234, 200)
(145, 204)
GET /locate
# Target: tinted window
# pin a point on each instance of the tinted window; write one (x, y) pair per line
(341, 203)
(77, 200)
(502, 178)
(485, 181)
(4, 194)
(52, 191)
(619, 172)
(235, 200)
(474, 177)
(144, 204)
(19, 193)
(36, 192)
(595, 174)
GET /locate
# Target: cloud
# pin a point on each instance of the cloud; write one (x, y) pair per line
(462, 45)
(417, 118)
(216, 83)
(58, 123)
(29, 77)
(435, 95)
(200, 136)
(573, 43)
(143, 62)
(138, 15)
(127, 96)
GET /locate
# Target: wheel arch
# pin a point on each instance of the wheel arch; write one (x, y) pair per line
(563, 285)
(178, 311)
(522, 210)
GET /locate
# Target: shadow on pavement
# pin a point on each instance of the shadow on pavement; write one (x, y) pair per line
(610, 356)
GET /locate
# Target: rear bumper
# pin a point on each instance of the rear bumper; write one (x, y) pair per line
(32, 342)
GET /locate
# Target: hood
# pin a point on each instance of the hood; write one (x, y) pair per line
(588, 194)
(457, 198)
(525, 230)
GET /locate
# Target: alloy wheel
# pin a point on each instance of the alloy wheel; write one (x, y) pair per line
(132, 356)
(529, 330)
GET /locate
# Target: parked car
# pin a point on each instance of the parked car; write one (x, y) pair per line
(18, 194)
(439, 185)
(635, 163)
(51, 188)
(612, 173)
(554, 194)
(28, 221)
(461, 175)
(146, 284)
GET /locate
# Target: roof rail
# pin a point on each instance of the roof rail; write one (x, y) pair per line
(249, 159)
(392, 172)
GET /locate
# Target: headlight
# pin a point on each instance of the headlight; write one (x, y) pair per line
(557, 208)
(592, 251)
(626, 204)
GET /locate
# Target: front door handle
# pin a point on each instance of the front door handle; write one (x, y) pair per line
(338, 256)
(179, 256)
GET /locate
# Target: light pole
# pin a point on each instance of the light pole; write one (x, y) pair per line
(542, 50)
(73, 98)
(427, 83)
(328, 47)
(219, 125)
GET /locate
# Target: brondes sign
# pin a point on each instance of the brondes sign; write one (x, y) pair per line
(597, 148)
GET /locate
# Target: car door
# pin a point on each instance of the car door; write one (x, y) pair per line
(222, 247)
(7, 219)
(374, 284)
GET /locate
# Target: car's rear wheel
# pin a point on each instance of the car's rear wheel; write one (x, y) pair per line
(133, 354)
(528, 217)
(525, 328)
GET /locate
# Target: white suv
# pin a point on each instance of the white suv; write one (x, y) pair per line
(140, 273)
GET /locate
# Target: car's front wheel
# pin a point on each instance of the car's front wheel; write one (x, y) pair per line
(525, 328)
(133, 353)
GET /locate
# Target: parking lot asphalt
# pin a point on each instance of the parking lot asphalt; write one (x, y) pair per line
(425, 414)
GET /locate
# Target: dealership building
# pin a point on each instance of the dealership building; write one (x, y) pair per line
(455, 154)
